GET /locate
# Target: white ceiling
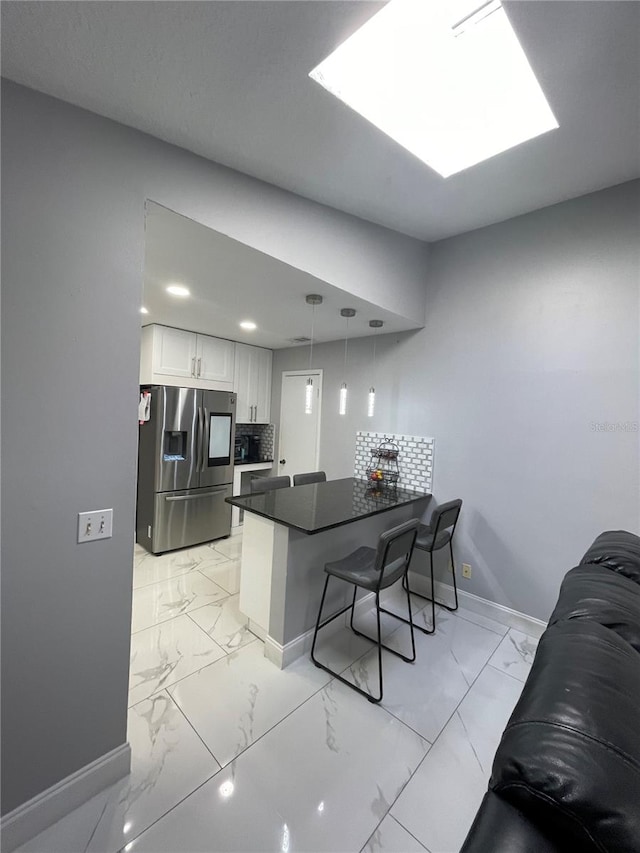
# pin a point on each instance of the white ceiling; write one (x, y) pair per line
(228, 80)
(230, 282)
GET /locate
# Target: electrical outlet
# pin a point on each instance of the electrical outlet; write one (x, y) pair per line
(466, 570)
(95, 525)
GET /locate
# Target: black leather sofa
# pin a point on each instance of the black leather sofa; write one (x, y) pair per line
(566, 775)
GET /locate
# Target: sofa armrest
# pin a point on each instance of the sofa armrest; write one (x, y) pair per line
(501, 828)
(617, 550)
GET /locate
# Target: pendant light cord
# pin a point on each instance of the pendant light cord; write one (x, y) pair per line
(346, 338)
(374, 356)
(313, 321)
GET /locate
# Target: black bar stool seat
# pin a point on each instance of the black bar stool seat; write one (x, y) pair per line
(359, 568)
(425, 539)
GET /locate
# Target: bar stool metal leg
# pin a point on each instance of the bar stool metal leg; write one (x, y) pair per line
(405, 584)
(377, 640)
(337, 675)
(455, 586)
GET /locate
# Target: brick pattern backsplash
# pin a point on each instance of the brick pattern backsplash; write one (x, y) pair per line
(415, 458)
(267, 433)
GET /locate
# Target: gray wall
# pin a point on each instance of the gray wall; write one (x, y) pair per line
(74, 187)
(531, 338)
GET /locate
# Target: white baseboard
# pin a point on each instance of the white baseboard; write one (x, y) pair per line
(45, 809)
(498, 612)
(282, 656)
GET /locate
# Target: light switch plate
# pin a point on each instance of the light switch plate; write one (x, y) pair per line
(94, 525)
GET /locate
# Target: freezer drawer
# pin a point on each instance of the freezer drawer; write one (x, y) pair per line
(191, 516)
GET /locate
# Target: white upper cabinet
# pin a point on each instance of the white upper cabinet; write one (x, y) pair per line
(175, 357)
(252, 382)
(174, 352)
(215, 359)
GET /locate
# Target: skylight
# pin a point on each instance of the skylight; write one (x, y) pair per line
(446, 79)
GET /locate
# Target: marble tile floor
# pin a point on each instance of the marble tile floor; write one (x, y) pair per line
(231, 754)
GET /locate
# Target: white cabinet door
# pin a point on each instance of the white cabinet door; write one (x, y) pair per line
(174, 352)
(215, 358)
(242, 384)
(252, 384)
(263, 359)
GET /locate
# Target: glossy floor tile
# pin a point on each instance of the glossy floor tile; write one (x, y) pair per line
(148, 569)
(515, 654)
(257, 695)
(392, 837)
(230, 547)
(162, 655)
(439, 803)
(224, 623)
(167, 599)
(224, 572)
(307, 764)
(321, 780)
(168, 762)
(424, 694)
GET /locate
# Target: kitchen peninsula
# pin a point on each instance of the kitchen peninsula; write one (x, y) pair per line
(289, 534)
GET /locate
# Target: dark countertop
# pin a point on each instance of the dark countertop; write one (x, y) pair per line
(251, 462)
(322, 506)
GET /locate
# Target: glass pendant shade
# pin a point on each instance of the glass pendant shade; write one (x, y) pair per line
(343, 399)
(308, 397)
(371, 402)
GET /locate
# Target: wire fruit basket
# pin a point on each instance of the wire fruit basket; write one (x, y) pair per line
(382, 472)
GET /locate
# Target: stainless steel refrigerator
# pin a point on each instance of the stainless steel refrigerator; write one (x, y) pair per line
(185, 468)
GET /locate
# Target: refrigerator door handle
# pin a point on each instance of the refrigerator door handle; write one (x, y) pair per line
(198, 446)
(205, 440)
(220, 491)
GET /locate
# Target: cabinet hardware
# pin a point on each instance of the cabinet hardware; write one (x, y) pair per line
(199, 366)
(193, 366)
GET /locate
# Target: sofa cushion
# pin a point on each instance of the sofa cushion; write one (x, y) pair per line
(570, 755)
(501, 828)
(617, 550)
(592, 592)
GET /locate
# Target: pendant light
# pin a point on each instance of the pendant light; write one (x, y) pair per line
(371, 402)
(312, 299)
(347, 313)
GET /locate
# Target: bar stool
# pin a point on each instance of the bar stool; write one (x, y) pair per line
(311, 477)
(432, 537)
(373, 569)
(268, 484)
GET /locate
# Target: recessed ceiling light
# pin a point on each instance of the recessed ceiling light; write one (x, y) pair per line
(178, 290)
(446, 79)
(249, 325)
(144, 310)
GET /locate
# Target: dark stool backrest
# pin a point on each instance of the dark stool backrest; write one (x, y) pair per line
(311, 477)
(395, 547)
(445, 516)
(268, 484)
